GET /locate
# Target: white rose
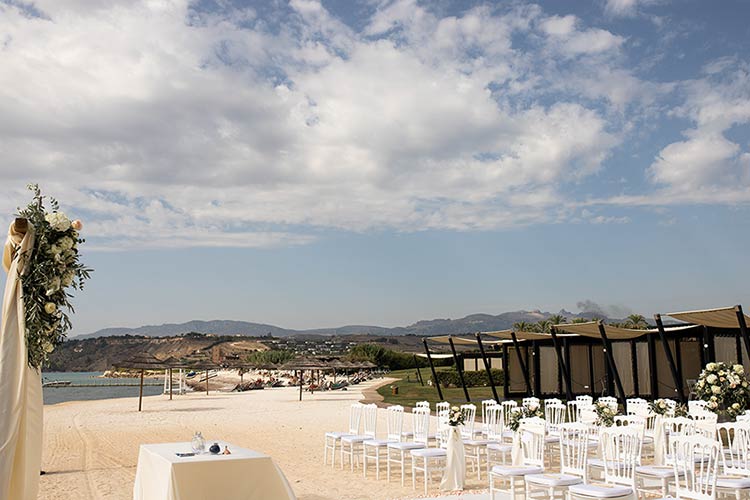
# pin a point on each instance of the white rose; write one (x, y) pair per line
(58, 220)
(711, 366)
(711, 379)
(736, 406)
(716, 389)
(50, 307)
(67, 279)
(454, 408)
(53, 286)
(65, 243)
(48, 347)
(738, 368)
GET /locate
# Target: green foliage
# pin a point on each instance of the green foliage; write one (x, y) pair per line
(275, 356)
(450, 378)
(382, 357)
(51, 267)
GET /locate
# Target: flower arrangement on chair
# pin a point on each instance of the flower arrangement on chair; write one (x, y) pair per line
(605, 415)
(456, 416)
(725, 388)
(519, 413)
(659, 406)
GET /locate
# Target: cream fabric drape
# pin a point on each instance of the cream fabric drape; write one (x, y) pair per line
(454, 475)
(20, 386)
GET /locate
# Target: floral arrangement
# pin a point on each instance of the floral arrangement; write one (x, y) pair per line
(53, 266)
(518, 414)
(456, 417)
(724, 387)
(681, 410)
(659, 406)
(605, 414)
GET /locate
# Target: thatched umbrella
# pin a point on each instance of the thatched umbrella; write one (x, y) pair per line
(142, 362)
(199, 362)
(304, 363)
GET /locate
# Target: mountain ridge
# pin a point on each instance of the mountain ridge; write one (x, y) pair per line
(471, 323)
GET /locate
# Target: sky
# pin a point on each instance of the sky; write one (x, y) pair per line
(314, 164)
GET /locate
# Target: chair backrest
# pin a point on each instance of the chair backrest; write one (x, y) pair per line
(621, 452)
(696, 465)
(530, 402)
(745, 417)
(443, 405)
(422, 404)
(470, 413)
(609, 401)
(486, 403)
(355, 417)
(554, 415)
(495, 423)
(574, 446)
(572, 411)
(507, 407)
(370, 416)
(705, 423)
(531, 431)
(421, 425)
(442, 419)
(733, 437)
(443, 433)
(585, 400)
(696, 405)
(674, 427)
(637, 406)
(395, 422)
(552, 401)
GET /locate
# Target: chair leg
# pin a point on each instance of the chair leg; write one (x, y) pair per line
(403, 462)
(426, 475)
(377, 464)
(388, 463)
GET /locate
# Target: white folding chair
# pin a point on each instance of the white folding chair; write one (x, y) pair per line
(672, 429)
(531, 434)
(399, 451)
(574, 445)
(431, 460)
(735, 459)
(351, 445)
(486, 403)
(585, 400)
(508, 407)
(552, 401)
(371, 449)
(332, 439)
(498, 450)
(572, 411)
(621, 449)
(442, 406)
(475, 449)
(696, 467)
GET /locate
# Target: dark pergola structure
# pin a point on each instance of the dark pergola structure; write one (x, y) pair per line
(594, 358)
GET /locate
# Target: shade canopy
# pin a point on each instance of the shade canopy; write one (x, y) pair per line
(305, 363)
(444, 339)
(144, 361)
(723, 317)
(433, 355)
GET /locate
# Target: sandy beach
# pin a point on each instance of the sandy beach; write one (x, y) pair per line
(91, 447)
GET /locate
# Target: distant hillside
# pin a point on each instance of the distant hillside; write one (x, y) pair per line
(468, 324)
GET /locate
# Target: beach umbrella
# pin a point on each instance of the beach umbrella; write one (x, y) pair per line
(142, 362)
(303, 363)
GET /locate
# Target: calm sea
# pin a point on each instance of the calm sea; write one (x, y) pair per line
(102, 387)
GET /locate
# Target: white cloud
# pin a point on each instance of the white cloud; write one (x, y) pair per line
(196, 128)
(625, 8)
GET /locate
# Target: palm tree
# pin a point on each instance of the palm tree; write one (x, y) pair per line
(637, 322)
(543, 325)
(580, 320)
(521, 326)
(557, 319)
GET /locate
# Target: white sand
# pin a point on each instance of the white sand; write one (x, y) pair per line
(91, 447)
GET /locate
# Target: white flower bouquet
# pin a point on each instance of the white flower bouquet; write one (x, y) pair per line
(53, 266)
(456, 417)
(725, 388)
(605, 414)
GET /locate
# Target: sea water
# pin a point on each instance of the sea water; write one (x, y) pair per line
(103, 388)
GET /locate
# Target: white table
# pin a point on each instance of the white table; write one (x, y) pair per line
(243, 475)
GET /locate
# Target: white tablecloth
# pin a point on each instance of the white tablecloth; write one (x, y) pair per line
(243, 475)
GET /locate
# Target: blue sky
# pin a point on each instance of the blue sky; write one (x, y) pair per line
(315, 164)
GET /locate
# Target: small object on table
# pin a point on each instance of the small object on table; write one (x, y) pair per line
(215, 449)
(198, 443)
(226, 451)
(183, 455)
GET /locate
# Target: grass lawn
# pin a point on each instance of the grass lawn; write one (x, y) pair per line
(410, 390)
